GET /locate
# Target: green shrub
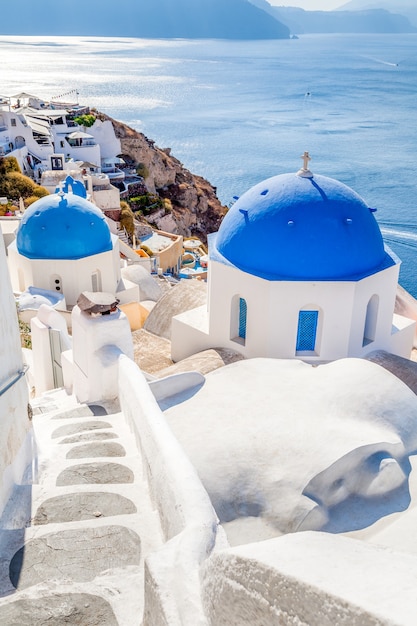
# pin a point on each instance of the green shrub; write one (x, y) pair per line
(127, 219)
(25, 336)
(142, 170)
(40, 191)
(7, 165)
(167, 205)
(86, 120)
(146, 204)
(15, 185)
(30, 200)
(19, 185)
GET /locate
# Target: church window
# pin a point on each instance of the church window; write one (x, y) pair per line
(242, 318)
(307, 331)
(371, 320)
(96, 281)
(239, 311)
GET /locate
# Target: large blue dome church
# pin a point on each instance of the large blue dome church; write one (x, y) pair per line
(298, 269)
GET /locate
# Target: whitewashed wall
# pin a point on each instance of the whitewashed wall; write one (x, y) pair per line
(190, 524)
(76, 275)
(272, 316)
(15, 427)
(103, 132)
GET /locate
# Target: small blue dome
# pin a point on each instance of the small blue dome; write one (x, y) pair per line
(292, 227)
(63, 226)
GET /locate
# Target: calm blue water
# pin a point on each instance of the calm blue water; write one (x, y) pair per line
(239, 112)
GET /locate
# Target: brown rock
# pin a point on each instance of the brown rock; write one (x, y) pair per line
(196, 210)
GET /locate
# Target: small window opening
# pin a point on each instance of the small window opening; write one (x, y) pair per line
(242, 318)
(307, 331)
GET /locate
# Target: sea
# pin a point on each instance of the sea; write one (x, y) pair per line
(237, 112)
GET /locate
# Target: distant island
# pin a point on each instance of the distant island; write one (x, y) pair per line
(353, 17)
(198, 19)
(188, 19)
(367, 21)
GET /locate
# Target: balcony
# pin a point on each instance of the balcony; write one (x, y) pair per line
(78, 139)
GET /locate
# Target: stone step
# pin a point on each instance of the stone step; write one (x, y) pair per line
(74, 555)
(77, 609)
(73, 544)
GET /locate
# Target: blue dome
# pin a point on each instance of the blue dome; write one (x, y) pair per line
(292, 227)
(63, 226)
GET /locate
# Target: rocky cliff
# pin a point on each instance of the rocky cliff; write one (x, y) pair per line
(196, 210)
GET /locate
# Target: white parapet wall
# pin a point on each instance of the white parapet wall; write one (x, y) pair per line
(310, 578)
(98, 341)
(188, 520)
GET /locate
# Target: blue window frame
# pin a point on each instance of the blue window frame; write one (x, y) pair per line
(242, 318)
(307, 331)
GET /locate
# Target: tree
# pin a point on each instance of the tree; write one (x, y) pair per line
(85, 120)
(14, 184)
(127, 219)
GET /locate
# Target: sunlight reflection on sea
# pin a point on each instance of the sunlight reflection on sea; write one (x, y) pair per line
(237, 112)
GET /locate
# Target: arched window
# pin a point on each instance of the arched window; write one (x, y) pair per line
(371, 318)
(239, 312)
(20, 141)
(96, 281)
(307, 330)
(243, 310)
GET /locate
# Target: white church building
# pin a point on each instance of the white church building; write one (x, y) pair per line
(64, 245)
(298, 269)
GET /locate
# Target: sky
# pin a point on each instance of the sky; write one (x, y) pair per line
(310, 5)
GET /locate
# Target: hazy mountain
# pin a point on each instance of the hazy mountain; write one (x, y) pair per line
(403, 7)
(300, 21)
(228, 19)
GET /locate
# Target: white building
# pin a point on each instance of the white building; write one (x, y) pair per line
(43, 135)
(64, 244)
(298, 269)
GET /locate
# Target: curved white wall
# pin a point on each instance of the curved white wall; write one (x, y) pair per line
(190, 524)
